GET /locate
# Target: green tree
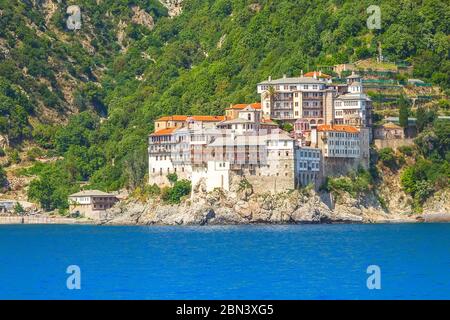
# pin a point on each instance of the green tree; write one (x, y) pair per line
(18, 209)
(48, 194)
(424, 118)
(388, 158)
(403, 111)
(14, 156)
(179, 190)
(3, 178)
(172, 177)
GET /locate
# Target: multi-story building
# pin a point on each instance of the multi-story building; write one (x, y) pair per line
(337, 141)
(330, 137)
(161, 146)
(315, 100)
(180, 121)
(266, 161)
(353, 108)
(289, 99)
(343, 148)
(91, 203)
(233, 111)
(247, 146)
(308, 166)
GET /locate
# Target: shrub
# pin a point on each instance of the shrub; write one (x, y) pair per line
(387, 156)
(354, 183)
(14, 157)
(177, 192)
(34, 153)
(153, 190)
(288, 127)
(18, 209)
(406, 150)
(3, 178)
(172, 177)
(244, 184)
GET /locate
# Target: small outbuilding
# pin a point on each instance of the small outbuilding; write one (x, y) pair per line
(389, 131)
(91, 203)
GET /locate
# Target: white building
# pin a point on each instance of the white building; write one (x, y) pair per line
(91, 203)
(337, 141)
(294, 98)
(354, 107)
(308, 166)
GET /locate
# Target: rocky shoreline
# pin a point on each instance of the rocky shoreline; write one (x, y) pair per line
(242, 206)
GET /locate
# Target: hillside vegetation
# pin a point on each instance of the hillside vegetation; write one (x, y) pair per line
(211, 55)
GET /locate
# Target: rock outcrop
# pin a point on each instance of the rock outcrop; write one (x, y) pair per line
(143, 18)
(173, 6)
(243, 206)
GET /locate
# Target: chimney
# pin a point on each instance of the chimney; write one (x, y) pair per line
(301, 74)
(320, 73)
(270, 78)
(284, 76)
(315, 75)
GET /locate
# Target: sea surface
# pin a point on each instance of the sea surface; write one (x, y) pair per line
(232, 262)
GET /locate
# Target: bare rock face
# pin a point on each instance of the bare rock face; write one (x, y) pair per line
(142, 18)
(173, 6)
(397, 201)
(439, 203)
(242, 206)
(255, 7)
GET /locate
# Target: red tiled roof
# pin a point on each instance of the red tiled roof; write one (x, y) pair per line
(196, 118)
(241, 106)
(327, 127)
(322, 75)
(268, 121)
(164, 132)
(208, 118)
(173, 118)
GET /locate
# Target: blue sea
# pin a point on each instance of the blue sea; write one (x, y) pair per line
(231, 262)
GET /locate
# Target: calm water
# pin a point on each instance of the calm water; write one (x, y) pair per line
(246, 262)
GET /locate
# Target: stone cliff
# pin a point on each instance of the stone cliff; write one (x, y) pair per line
(243, 206)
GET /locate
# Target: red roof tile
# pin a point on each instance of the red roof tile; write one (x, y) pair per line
(327, 127)
(208, 118)
(322, 75)
(164, 132)
(173, 118)
(241, 106)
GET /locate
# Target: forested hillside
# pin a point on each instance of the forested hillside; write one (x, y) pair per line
(48, 71)
(211, 55)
